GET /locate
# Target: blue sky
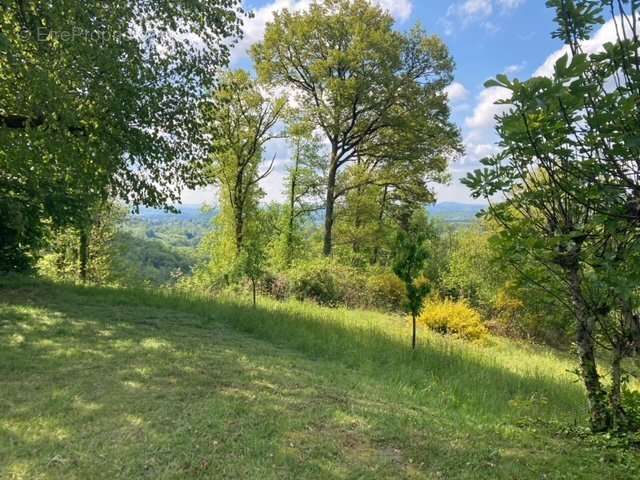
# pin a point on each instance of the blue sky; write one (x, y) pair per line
(485, 37)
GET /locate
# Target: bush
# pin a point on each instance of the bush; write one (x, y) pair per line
(530, 315)
(386, 291)
(453, 317)
(316, 281)
(275, 286)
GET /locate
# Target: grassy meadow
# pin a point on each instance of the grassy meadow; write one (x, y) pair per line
(113, 383)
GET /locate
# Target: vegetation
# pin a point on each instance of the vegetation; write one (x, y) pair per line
(133, 334)
(84, 127)
(180, 385)
(453, 317)
(377, 96)
(569, 179)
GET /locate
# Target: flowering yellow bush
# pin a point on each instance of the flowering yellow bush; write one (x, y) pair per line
(453, 317)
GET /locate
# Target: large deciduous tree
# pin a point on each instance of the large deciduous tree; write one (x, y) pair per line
(101, 99)
(376, 94)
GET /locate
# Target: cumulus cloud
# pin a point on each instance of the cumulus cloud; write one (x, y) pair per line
(457, 92)
(486, 109)
(254, 27)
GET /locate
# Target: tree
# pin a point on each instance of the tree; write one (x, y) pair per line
(91, 255)
(569, 174)
(410, 257)
(241, 122)
(253, 257)
(376, 94)
(77, 128)
(304, 186)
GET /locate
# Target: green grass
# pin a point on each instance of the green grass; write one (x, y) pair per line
(126, 384)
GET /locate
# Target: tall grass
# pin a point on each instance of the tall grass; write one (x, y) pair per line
(493, 380)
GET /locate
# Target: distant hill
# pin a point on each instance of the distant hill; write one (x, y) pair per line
(457, 213)
(451, 212)
(182, 230)
(187, 213)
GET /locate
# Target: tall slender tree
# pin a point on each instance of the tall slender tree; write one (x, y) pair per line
(304, 186)
(241, 122)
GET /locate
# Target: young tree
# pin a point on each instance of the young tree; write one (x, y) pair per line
(376, 94)
(410, 257)
(304, 186)
(74, 124)
(89, 255)
(253, 257)
(241, 122)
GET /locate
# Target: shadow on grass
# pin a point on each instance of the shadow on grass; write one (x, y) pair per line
(483, 387)
(161, 387)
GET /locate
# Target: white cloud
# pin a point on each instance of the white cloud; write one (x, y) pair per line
(509, 4)
(466, 12)
(457, 92)
(400, 9)
(513, 69)
(254, 27)
(606, 33)
(486, 109)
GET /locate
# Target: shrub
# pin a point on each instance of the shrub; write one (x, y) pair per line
(276, 286)
(316, 281)
(529, 315)
(453, 317)
(386, 291)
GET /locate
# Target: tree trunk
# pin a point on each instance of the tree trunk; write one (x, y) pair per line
(292, 206)
(328, 216)
(83, 254)
(413, 338)
(383, 204)
(239, 229)
(253, 285)
(599, 415)
(619, 417)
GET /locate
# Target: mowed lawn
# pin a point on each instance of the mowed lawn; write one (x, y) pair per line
(110, 384)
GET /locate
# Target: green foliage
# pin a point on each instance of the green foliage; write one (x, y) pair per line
(473, 272)
(21, 231)
(322, 281)
(148, 262)
(410, 257)
(375, 93)
(84, 127)
(569, 175)
(115, 255)
(631, 403)
(304, 186)
(241, 121)
(62, 257)
(386, 291)
(453, 317)
(521, 311)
